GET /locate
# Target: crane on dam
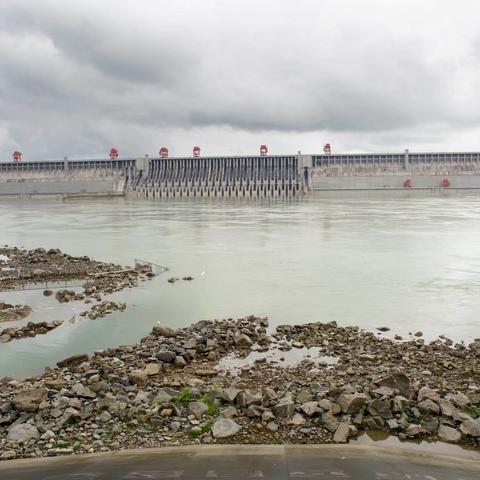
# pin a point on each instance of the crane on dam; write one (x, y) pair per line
(17, 156)
(196, 151)
(263, 150)
(327, 149)
(163, 152)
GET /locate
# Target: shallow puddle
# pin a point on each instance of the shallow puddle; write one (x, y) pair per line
(276, 357)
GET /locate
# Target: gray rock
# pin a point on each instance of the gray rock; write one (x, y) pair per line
(341, 433)
(384, 391)
(199, 409)
(303, 396)
(8, 455)
(399, 403)
(166, 356)
(458, 399)
(297, 419)
(104, 417)
(446, 407)
(251, 397)
(152, 369)
(449, 434)
(352, 402)
(80, 390)
(272, 426)
(310, 408)
(180, 362)
(414, 430)
(285, 408)
(138, 377)
(23, 433)
(73, 361)
(225, 427)
(427, 393)
(471, 427)
(229, 412)
(243, 341)
(381, 406)
(392, 424)
(165, 395)
(330, 421)
(397, 381)
(163, 331)
(29, 400)
(229, 394)
(325, 404)
(428, 407)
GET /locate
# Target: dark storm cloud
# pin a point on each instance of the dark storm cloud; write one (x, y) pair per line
(76, 76)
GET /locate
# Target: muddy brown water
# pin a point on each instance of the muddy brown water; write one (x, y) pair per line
(407, 261)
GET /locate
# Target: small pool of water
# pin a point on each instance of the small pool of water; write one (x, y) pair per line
(384, 439)
(277, 357)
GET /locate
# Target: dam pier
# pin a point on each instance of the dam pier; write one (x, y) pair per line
(240, 176)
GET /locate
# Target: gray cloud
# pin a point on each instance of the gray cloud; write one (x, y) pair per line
(76, 77)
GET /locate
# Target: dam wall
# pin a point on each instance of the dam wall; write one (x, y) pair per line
(395, 171)
(66, 178)
(241, 176)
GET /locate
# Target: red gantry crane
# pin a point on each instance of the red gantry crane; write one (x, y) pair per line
(113, 153)
(17, 156)
(163, 152)
(196, 151)
(263, 150)
(327, 149)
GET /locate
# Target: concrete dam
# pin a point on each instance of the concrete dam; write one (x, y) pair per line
(241, 176)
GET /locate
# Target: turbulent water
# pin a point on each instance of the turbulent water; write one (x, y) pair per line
(408, 261)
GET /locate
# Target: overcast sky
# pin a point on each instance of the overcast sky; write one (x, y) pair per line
(77, 77)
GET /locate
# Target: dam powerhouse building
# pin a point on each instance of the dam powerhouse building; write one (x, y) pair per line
(240, 176)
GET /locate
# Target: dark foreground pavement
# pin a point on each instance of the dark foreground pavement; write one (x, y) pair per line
(327, 462)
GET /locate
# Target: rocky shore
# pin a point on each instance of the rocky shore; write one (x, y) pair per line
(19, 267)
(224, 381)
(31, 329)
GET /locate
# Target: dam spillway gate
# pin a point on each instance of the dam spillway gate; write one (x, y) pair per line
(258, 176)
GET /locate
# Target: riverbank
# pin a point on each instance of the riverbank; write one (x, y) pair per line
(231, 381)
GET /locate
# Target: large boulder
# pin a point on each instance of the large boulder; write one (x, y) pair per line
(225, 427)
(449, 434)
(341, 433)
(163, 331)
(79, 390)
(381, 406)
(471, 427)
(330, 421)
(398, 381)
(285, 408)
(23, 433)
(352, 402)
(138, 377)
(426, 393)
(72, 361)
(428, 407)
(166, 356)
(29, 400)
(243, 341)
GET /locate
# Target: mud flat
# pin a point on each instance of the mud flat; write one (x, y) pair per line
(224, 382)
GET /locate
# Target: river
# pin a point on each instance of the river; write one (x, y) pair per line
(408, 261)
